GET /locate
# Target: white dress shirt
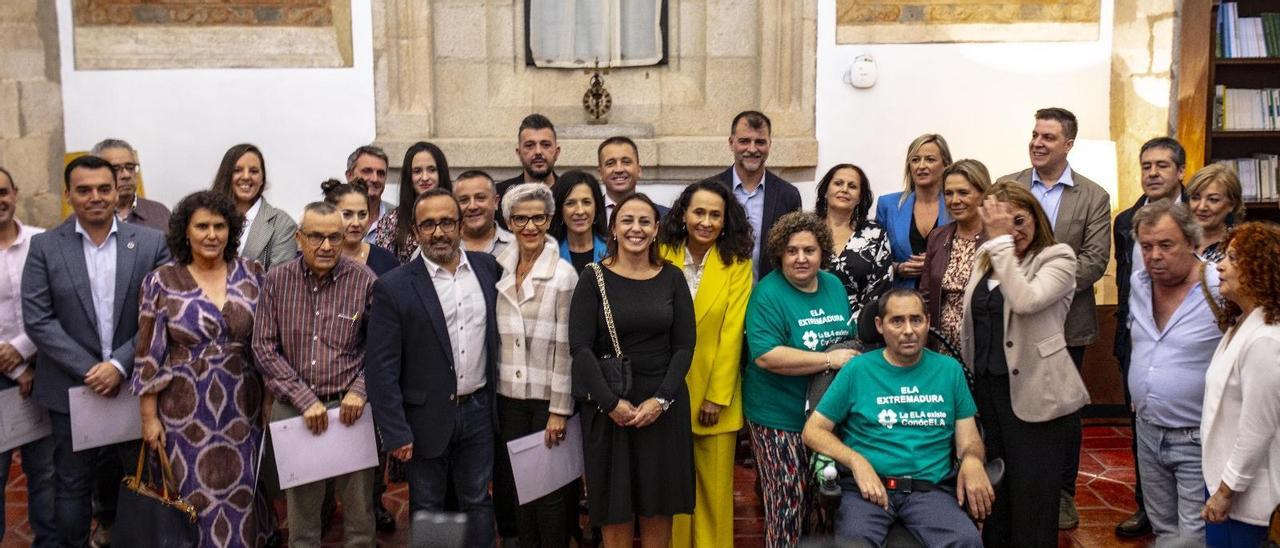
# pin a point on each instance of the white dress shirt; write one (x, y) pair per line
(12, 259)
(464, 312)
(249, 216)
(100, 261)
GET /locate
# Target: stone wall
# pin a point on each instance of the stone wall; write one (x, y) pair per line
(1143, 50)
(453, 72)
(31, 139)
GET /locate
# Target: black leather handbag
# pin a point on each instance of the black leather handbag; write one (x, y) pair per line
(616, 368)
(147, 518)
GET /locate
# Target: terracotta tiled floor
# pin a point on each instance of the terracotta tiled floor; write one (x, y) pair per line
(1104, 497)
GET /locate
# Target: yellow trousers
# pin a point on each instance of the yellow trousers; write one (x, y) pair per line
(711, 525)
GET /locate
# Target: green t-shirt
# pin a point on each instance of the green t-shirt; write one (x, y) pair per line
(901, 419)
(781, 315)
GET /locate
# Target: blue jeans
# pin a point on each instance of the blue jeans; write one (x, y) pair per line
(1172, 481)
(933, 517)
(73, 478)
(467, 464)
(37, 465)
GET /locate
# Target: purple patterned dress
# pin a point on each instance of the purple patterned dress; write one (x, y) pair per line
(196, 358)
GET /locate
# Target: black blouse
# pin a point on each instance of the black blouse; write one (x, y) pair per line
(988, 330)
(919, 242)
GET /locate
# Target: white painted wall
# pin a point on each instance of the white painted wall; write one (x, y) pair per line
(980, 97)
(305, 121)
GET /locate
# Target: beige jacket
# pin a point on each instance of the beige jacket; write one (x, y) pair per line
(1084, 223)
(1043, 381)
(533, 327)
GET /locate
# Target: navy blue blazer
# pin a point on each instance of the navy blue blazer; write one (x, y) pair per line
(409, 365)
(57, 306)
(780, 198)
(896, 220)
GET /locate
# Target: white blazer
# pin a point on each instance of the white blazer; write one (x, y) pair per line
(1241, 417)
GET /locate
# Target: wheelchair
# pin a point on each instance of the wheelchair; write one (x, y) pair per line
(832, 479)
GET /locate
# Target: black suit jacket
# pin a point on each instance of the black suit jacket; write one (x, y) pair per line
(1124, 242)
(780, 198)
(409, 364)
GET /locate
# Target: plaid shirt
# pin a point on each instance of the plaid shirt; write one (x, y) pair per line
(309, 335)
(533, 328)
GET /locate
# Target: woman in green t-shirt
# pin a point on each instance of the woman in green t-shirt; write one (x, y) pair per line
(795, 312)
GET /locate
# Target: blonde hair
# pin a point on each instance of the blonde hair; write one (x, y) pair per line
(973, 171)
(1219, 173)
(908, 185)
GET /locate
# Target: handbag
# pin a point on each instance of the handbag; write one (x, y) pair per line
(616, 368)
(146, 518)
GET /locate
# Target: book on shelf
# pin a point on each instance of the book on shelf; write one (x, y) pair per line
(1244, 37)
(1236, 109)
(1258, 175)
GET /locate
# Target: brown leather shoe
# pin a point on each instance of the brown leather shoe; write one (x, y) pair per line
(1136, 525)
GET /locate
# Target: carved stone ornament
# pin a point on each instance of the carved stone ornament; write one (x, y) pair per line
(597, 101)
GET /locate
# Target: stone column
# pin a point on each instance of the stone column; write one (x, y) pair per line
(31, 130)
(1141, 79)
(402, 60)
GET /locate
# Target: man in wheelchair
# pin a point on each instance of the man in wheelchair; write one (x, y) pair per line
(897, 410)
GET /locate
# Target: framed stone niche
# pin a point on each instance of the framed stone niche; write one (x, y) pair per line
(171, 34)
(925, 21)
(454, 72)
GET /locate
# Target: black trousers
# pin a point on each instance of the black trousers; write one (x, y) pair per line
(1026, 507)
(1071, 456)
(543, 522)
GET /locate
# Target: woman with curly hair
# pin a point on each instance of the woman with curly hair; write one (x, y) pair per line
(201, 396)
(423, 169)
(1241, 413)
(795, 313)
(861, 257)
(706, 235)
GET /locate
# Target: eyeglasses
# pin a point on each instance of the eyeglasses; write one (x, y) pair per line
(130, 167)
(429, 226)
(317, 239)
(519, 221)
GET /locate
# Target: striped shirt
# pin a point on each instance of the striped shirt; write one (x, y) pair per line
(309, 335)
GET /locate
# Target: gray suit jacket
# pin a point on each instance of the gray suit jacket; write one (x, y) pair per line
(57, 305)
(270, 237)
(1084, 223)
(1043, 381)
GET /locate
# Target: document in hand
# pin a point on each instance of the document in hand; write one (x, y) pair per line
(97, 421)
(303, 457)
(21, 420)
(538, 470)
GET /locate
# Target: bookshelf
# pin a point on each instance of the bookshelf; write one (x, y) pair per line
(1201, 70)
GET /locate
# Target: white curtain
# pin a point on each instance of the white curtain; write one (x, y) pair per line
(580, 33)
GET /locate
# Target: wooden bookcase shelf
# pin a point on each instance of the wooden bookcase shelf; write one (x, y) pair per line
(1201, 70)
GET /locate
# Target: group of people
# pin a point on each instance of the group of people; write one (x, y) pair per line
(952, 327)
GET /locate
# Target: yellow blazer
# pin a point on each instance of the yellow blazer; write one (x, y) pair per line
(720, 308)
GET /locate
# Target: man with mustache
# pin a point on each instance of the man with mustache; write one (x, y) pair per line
(765, 196)
(131, 208)
(1163, 164)
(308, 340)
(1080, 212)
(80, 306)
(432, 366)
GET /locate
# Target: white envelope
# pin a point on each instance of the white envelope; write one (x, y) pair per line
(538, 470)
(303, 457)
(97, 421)
(21, 420)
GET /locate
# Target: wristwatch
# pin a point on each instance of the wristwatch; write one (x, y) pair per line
(665, 403)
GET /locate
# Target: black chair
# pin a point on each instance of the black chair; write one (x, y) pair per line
(868, 338)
